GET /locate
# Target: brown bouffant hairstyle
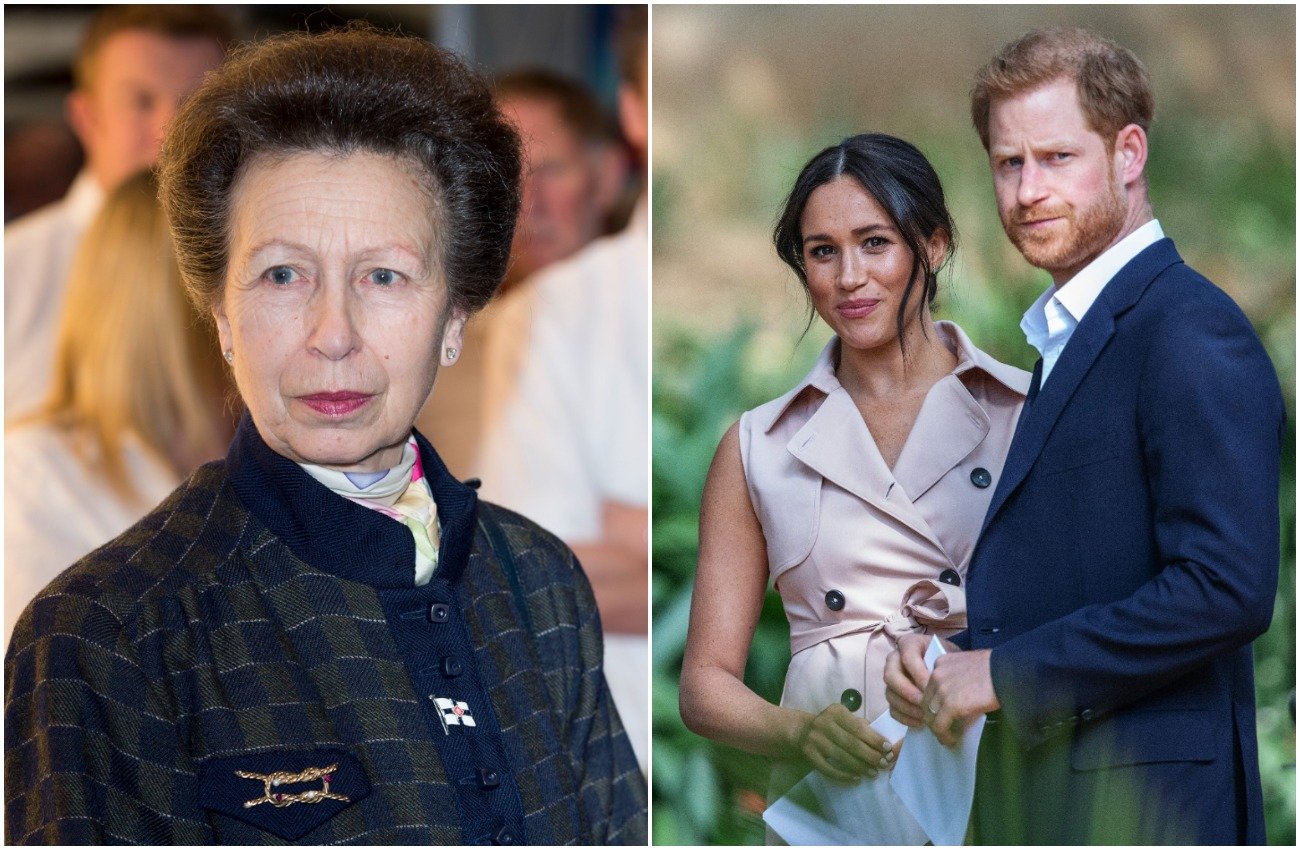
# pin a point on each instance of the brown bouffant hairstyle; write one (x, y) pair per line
(352, 89)
(172, 21)
(578, 107)
(1114, 86)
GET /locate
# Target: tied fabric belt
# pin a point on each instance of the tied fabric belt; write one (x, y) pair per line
(928, 605)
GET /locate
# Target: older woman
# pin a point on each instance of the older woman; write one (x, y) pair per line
(860, 492)
(326, 638)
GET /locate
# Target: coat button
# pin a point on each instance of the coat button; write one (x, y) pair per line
(439, 612)
(488, 779)
(834, 600)
(505, 836)
(950, 576)
(981, 477)
(451, 667)
(851, 699)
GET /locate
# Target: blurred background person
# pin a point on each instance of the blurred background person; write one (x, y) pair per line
(577, 167)
(575, 173)
(136, 400)
(134, 66)
(571, 447)
(42, 158)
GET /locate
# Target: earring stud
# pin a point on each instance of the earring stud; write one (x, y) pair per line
(230, 356)
(452, 353)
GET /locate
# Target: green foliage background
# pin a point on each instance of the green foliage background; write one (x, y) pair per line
(727, 326)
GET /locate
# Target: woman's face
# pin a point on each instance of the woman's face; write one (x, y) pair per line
(335, 308)
(857, 264)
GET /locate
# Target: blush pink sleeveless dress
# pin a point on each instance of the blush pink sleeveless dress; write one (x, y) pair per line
(859, 553)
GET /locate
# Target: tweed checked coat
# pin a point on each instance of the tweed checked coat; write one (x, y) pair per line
(255, 625)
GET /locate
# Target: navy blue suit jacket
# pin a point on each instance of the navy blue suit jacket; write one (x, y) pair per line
(1128, 558)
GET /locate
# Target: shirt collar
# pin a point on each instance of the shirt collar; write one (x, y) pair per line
(1078, 293)
(821, 377)
(1034, 322)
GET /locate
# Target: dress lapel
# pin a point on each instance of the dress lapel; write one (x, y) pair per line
(836, 444)
(949, 427)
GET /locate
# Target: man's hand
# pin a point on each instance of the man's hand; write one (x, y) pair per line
(905, 679)
(959, 690)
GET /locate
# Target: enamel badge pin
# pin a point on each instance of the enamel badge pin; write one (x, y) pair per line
(452, 713)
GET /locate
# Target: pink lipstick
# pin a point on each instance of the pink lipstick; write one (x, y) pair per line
(336, 403)
(857, 308)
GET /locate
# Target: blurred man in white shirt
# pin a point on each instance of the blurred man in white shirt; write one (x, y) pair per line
(134, 66)
(572, 449)
(574, 175)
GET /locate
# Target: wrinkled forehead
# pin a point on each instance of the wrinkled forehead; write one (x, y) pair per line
(333, 202)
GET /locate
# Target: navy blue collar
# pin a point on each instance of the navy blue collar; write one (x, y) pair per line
(334, 534)
(1130, 282)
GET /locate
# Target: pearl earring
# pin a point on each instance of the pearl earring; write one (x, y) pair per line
(230, 356)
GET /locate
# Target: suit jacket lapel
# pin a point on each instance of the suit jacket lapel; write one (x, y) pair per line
(1043, 407)
(1038, 417)
(836, 444)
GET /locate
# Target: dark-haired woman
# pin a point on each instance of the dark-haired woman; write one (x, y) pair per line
(326, 638)
(860, 492)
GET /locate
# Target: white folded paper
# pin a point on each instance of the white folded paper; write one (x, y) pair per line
(926, 797)
(937, 784)
(818, 810)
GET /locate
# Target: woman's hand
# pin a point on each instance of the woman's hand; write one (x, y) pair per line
(844, 746)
